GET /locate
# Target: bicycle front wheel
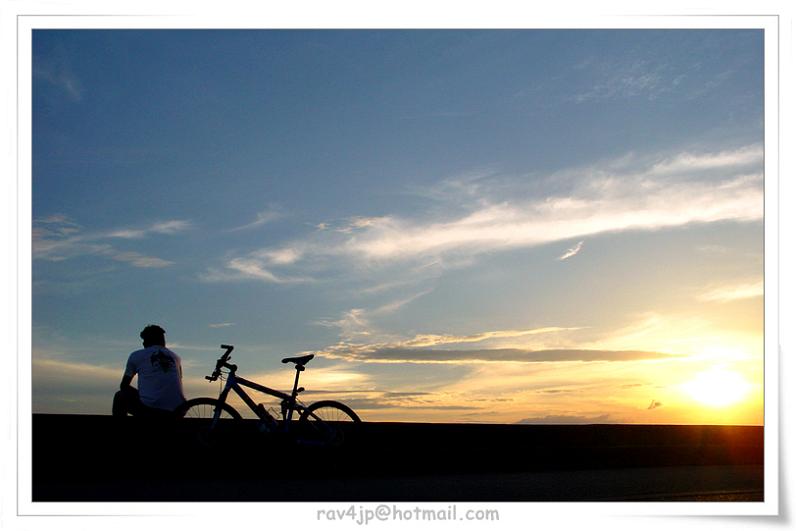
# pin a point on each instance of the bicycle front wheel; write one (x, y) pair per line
(198, 414)
(326, 422)
(204, 408)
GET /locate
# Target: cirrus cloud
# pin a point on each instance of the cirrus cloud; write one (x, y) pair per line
(57, 238)
(630, 193)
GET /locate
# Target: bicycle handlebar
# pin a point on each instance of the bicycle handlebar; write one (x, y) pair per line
(221, 362)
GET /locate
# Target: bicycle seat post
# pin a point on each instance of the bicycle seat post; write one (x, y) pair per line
(293, 394)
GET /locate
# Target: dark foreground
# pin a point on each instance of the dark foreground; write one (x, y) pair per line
(98, 458)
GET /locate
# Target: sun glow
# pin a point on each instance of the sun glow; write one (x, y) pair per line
(717, 387)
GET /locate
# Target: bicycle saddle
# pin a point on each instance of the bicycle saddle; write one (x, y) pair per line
(300, 360)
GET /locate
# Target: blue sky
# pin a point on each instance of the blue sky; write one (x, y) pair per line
(464, 225)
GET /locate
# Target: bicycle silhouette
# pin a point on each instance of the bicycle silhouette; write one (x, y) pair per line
(320, 422)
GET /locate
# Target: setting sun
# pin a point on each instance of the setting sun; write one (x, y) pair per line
(717, 387)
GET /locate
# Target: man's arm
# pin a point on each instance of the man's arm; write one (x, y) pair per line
(130, 371)
(126, 379)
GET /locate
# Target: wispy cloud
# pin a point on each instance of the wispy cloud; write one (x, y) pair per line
(624, 79)
(508, 226)
(369, 354)
(57, 72)
(572, 251)
(272, 213)
(220, 325)
(733, 292)
(689, 163)
(468, 187)
(434, 340)
(281, 256)
(340, 377)
(238, 269)
(571, 419)
(352, 325)
(356, 324)
(654, 404)
(631, 77)
(164, 227)
(393, 306)
(426, 348)
(627, 194)
(57, 238)
(131, 257)
(53, 369)
(61, 386)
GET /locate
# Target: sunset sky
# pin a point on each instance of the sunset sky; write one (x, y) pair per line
(538, 226)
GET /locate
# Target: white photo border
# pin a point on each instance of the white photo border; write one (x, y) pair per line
(203, 515)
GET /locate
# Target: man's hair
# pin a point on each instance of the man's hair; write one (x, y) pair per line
(153, 335)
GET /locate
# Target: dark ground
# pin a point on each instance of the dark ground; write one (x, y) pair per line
(100, 458)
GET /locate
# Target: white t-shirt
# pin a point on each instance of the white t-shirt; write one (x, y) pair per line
(159, 373)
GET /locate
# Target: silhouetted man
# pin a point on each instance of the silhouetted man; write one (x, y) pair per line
(159, 379)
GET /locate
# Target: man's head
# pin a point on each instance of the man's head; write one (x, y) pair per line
(153, 335)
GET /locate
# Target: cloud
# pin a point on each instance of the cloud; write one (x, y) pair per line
(470, 186)
(249, 268)
(133, 258)
(745, 158)
(57, 238)
(263, 217)
(396, 305)
(280, 256)
(631, 193)
(623, 78)
(569, 419)
(220, 325)
(356, 323)
(387, 354)
(733, 292)
(506, 226)
(654, 405)
(340, 378)
(374, 399)
(163, 227)
(67, 386)
(572, 251)
(359, 222)
(352, 324)
(60, 386)
(366, 404)
(57, 73)
(626, 77)
(46, 370)
(239, 269)
(432, 340)
(361, 342)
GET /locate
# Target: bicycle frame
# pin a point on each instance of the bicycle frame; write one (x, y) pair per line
(236, 383)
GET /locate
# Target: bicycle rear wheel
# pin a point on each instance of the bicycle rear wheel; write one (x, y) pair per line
(326, 422)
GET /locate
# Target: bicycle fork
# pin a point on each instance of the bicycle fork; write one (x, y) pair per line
(222, 399)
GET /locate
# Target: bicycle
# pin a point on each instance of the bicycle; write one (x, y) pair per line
(319, 422)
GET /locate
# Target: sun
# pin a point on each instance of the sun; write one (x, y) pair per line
(717, 387)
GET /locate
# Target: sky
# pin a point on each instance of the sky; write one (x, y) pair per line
(536, 226)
